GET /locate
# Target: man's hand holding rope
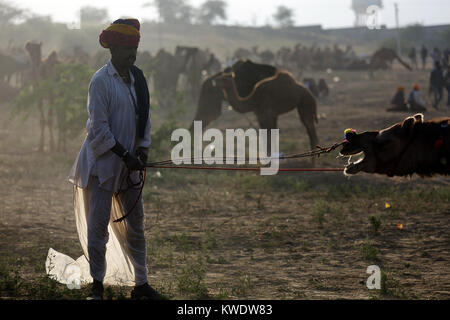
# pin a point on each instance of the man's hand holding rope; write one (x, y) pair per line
(142, 154)
(133, 163)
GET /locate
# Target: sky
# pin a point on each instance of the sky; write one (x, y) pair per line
(328, 13)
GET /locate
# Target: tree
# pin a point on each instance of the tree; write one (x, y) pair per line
(9, 13)
(211, 11)
(185, 14)
(93, 16)
(284, 17)
(173, 11)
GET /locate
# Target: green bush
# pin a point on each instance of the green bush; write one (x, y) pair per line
(63, 95)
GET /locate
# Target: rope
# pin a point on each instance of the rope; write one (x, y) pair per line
(138, 197)
(251, 169)
(256, 85)
(320, 150)
(168, 164)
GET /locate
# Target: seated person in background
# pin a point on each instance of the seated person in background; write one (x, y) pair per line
(398, 101)
(415, 100)
(310, 83)
(323, 88)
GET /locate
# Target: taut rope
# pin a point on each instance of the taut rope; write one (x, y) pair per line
(168, 164)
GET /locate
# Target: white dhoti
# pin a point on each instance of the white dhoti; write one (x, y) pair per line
(116, 251)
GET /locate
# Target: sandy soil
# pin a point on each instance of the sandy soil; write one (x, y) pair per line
(295, 236)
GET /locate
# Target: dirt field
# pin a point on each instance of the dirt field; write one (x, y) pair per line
(223, 235)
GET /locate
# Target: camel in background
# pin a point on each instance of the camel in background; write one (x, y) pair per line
(383, 59)
(12, 74)
(165, 70)
(42, 69)
(196, 66)
(12, 65)
(263, 89)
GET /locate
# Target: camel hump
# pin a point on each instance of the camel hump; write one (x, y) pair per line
(248, 74)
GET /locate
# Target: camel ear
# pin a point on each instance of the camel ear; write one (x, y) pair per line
(409, 122)
(418, 117)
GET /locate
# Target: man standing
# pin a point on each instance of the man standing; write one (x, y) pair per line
(447, 85)
(436, 56)
(412, 56)
(445, 58)
(107, 173)
(437, 84)
(424, 55)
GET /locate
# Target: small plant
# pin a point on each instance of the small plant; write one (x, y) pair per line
(191, 280)
(369, 252)
(9, 284)
(242, 285)
(390, 287)
(112, 293)
(223, 295)
(219, 260)
(298, 294)
(161, 252)
(210, 240)
(183, 242)
(320, 207)
(375, 224)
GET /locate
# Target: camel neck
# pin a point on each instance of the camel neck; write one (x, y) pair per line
(238, 103)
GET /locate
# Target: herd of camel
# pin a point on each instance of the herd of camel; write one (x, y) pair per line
(268, 90)
(315, 58)
(188, 67)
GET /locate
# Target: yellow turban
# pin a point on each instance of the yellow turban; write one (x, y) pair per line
(122, 32)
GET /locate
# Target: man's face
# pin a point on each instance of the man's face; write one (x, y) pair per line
(123, 57)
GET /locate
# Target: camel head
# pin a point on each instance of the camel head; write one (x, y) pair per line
(53, 58)
(34, 51)
(360, 145)
(48, 65)
(209, 102)
(224, 80)
(33, 47)
(379, 151)
(184, 55)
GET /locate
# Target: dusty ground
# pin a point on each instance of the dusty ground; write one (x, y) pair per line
(241, 235)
